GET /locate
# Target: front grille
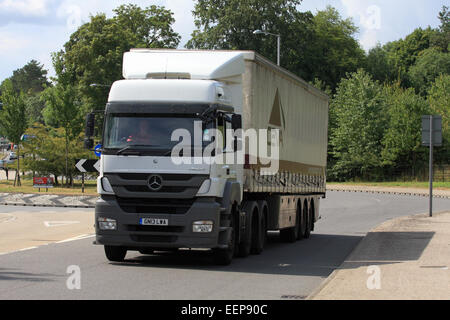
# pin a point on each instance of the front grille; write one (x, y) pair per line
(135, 185)
(170, 229)
(145, 176)
(147, 189)
(161, 239)
(155, 206)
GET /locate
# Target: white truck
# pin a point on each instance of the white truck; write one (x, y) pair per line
(149, 201)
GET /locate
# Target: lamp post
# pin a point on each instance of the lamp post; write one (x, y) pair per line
(93, 85)
(278, 43)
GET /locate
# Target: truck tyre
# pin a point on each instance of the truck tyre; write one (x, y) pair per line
(115, 254)
(309, 222)
(223, 257)
(259, 230)
(245, 245)
(291, 235)
(304, 222)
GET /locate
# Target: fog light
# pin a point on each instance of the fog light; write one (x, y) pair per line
(203, 226)
(107, 224)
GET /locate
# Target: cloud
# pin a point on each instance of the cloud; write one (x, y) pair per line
(25, 7)
(10, 43)
(369, 17)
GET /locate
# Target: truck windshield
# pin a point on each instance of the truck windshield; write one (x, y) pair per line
(123, 130)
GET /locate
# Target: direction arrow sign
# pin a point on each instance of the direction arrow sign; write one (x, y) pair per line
(84, 165)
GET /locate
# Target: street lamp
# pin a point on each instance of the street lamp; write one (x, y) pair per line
(93, 85)
(278, 42)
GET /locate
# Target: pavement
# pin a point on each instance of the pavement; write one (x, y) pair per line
(402, 259)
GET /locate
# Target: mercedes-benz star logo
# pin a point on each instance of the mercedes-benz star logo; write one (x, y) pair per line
(155, 183)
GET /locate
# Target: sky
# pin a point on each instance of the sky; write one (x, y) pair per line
(33, 29)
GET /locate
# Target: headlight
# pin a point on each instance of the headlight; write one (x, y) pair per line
(203, 226)
(106, 186)
(107, 224)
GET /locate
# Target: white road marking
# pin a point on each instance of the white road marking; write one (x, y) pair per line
(84, 236)
(50, 224)
(9, 218)
(81, 237)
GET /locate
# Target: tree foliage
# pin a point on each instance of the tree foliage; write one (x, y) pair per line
(94, 52)
(13, 118)
(30, 79)
(439, 100)
(359, 105)
(321, 46)
(46, 151)
(429, 65)
(402, 142)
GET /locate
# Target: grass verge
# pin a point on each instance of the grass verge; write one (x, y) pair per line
(27, 187)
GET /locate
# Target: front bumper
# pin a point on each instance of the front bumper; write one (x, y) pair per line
(178, 234)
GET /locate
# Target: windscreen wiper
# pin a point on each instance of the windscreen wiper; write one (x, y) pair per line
(129, 151)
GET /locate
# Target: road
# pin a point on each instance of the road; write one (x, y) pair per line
(283, 271)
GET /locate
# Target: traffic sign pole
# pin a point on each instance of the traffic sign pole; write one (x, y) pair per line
(82, 182)
(431, 166)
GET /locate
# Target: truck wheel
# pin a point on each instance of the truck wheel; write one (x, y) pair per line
(259, 234)
(291, 235)
(246, 242)
(309, 222)
(304, 223)
(223, 257)
(115, 254)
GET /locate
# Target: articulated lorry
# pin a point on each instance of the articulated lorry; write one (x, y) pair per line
(159, 187)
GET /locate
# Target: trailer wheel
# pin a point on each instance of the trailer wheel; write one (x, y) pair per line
(224, 257)
(291, 235)
(304, 222)
(246, 242)
(309, 222)
(115, 254)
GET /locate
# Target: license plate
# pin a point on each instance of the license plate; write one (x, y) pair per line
(153, 222)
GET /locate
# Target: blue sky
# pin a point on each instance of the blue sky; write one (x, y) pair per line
(32, 29)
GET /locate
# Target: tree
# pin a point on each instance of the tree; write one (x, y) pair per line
(402, 54)
(229, 25)
(439, 100)
(95, 51)
(320, 46)
(402, 142)
(13, 119)
(63, 109)
(46, 153)
(335, 51)
(378, 64)
(429, 65)
(359, 105)
(442, 38)
(30, 79)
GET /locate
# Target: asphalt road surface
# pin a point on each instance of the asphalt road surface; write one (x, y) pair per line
(282, 271)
